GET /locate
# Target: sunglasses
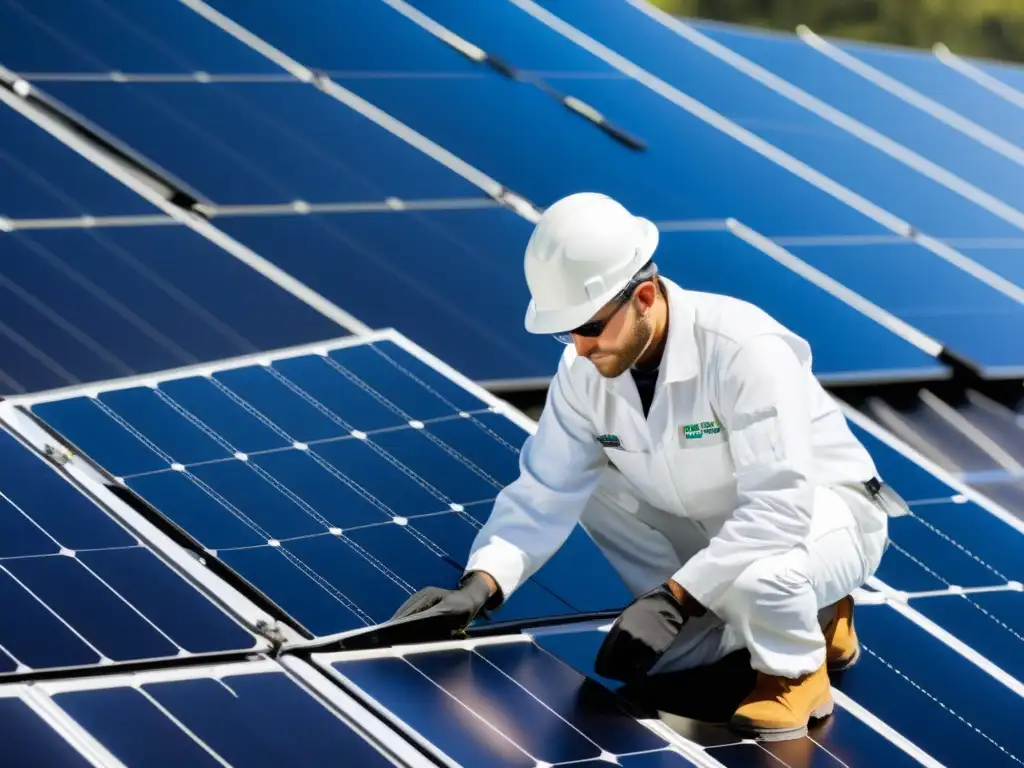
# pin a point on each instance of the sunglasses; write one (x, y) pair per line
(595, 328)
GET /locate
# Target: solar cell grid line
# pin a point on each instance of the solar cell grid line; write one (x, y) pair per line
(335, 479)
(41, 179)
(102, 36)
(258, 713)
(502, 701)
(83, 590)
(984, 626)
(554, 151)
(235, 143)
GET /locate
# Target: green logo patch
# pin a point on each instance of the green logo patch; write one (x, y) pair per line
(609, 441)
(698, 430)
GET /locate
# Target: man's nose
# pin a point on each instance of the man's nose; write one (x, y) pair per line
(584, 344)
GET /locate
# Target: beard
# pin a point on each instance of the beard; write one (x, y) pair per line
(619, 362)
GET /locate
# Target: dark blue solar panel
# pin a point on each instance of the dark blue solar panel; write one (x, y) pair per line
(85, 305)
(486, 246)
(848, 92)
(845, 341)
(531, 706)
(41, 178)
(991, 623)
(478, 332)
(931, 294)
(842, 736)
(82, 588)
(931, 695)
(790, 127)
(259, 465)
(106, 35)
(262, 143)
(28, 740)
(518, 134)
(926, 74)
(256, 718)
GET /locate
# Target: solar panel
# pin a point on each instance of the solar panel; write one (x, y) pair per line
(33, 737)
(695, 71)
(260, 143)
(721, 262)
(101, 36)
(40, 178)
(849, 737)
(859, 98)
(480, 332)
(933, 79)
(81, 305)
(954, 307)
(81, 590)
(251, 713)
(391, 263)
(526, 699)
(521, 136)
(336, 481)
(501, 703)
(931, 693)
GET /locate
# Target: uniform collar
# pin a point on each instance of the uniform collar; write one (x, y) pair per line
(679, 361)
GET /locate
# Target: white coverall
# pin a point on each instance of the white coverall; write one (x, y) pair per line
(744, 484)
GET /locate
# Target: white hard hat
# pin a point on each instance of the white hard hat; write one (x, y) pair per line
(585, 249)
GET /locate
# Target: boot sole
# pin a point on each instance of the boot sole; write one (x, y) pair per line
(748, 729)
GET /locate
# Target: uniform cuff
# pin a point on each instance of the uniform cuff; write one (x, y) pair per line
(503, 562)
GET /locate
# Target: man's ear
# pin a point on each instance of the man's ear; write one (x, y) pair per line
(645, 295)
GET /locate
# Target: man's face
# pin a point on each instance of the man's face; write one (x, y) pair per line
(623, 339)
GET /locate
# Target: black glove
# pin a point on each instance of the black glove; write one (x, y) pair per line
(641, 634)
(462, 604)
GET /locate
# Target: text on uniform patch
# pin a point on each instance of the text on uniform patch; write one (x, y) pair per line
(698, 430)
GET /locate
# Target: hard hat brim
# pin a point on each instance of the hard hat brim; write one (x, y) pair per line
(565, 319)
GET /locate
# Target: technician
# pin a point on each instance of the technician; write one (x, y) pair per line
(686, 433)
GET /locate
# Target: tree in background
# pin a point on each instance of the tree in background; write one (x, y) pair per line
(987, 28)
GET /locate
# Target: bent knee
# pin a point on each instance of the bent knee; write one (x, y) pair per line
(770, 581)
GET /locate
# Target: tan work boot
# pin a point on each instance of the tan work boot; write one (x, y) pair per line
(780, 708)
(841, 646)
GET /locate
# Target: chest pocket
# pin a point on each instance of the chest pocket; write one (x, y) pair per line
(634, 465)
(701, 467)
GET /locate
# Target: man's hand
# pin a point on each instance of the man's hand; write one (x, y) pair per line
(643, 632)
(461, 604)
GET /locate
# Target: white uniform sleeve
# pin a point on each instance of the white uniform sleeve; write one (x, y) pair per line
(763, 404)
(559, 467)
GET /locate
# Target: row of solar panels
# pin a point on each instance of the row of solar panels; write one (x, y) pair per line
(308, 493)
(370, 182)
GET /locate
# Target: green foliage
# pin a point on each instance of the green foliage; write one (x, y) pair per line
(987, 28)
